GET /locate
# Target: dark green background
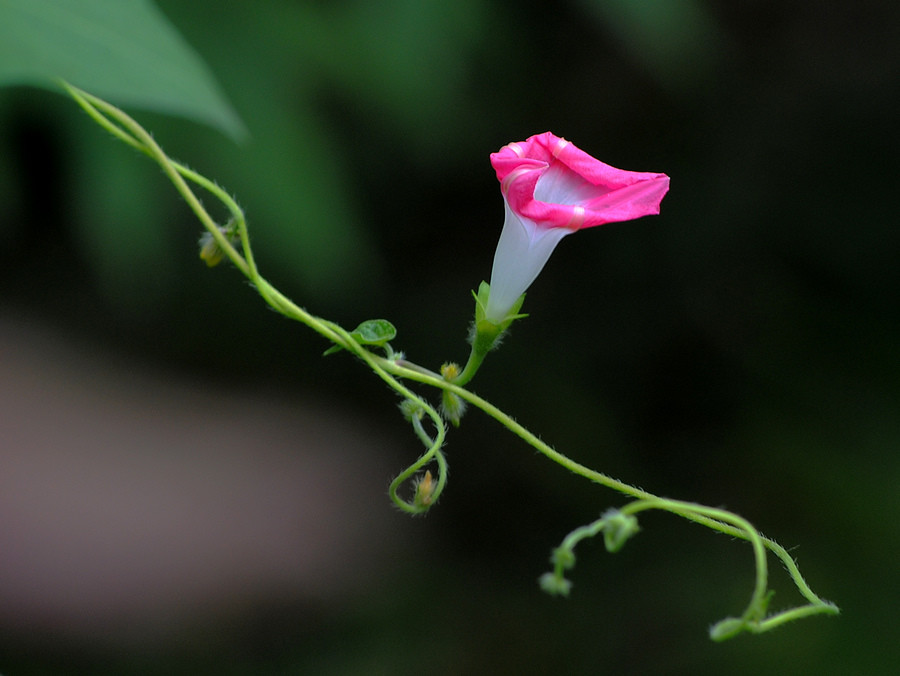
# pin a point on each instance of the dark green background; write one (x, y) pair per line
(739, 349)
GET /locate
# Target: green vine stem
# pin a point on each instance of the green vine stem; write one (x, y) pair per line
(393, 368)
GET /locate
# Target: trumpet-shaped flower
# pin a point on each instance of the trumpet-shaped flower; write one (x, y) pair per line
(551, 189)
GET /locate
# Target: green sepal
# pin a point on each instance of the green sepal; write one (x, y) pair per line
(485, 333)
(377, 332)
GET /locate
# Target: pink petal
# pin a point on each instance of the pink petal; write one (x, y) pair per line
(553, 183)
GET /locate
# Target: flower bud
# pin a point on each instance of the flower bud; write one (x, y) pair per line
(424, 495)
(618, 529)
(452, 407)
(563, 557)
(410, 408)
(210, 251)
(555, 585)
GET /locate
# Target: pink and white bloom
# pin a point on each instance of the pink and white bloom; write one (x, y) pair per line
(551, 189)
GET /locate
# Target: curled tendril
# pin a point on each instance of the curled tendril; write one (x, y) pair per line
(619, 525)
(427, 490)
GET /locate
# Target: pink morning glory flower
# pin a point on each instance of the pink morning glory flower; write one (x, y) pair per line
(551, 189)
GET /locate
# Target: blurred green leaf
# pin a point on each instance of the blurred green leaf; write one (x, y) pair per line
(123, 50)
(677, 41)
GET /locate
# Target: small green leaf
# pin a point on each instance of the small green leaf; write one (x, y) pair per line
(376, 332)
